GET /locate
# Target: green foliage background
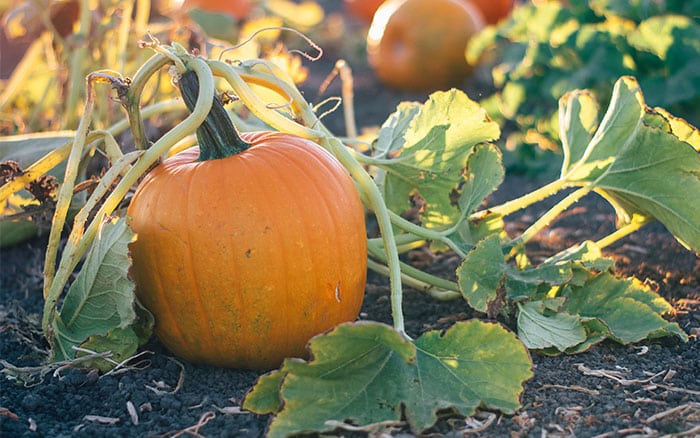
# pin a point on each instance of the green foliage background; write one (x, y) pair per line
(542, 51)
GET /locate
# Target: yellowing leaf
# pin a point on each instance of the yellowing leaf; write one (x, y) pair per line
(302, 15)
(640, 168)
(265, 30)
(101, 298)
(367, 373)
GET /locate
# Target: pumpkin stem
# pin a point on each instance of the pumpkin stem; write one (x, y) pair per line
(217, 136)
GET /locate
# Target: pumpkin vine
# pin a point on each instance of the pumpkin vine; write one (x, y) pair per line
(239, 77)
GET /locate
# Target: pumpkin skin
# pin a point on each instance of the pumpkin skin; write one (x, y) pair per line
(238, 9)
(362, 9)
(243, 259)
(494, 10)
(418, 45)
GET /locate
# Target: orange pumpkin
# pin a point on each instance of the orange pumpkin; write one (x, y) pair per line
(494, 10)
(418, 45)
(243, 259)
(239, 9)
(362, 9)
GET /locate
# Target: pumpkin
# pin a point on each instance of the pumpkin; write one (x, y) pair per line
(238, 9)
(418, 45)
(494, 10)
(363, 10)
(247, 249)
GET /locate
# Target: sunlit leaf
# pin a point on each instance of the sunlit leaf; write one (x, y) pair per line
(485, 173)
(102, 297)
(640, 169)
(539, 328)
(264, 398)
(390, 137)
(630, 309)
(26, 149)
(681, 128)
(546, 49)
(436, 145)
(482, 274)
(301, 15)
(366, 373)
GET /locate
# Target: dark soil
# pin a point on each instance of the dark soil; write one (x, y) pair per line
(650, 389)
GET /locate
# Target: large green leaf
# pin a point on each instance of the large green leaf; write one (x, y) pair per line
(620, 124)
(641, 169)
(630, 309)
(567, 303)
(486, 279)
(102, 297)
(545, 49)
(366, 373)
(430, 151)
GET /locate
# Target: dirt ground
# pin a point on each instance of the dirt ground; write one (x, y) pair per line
(649, 389)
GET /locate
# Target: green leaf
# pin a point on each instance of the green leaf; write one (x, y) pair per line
(588, 259)
(264, 398)
(436, 145)
(640, 169)
(472, 364)
(631, 310)
(578, 120)
(539, 328)
(678, 127)
(675, 40)
(486, 279)
(28, 148)
(123, 344)
(482, 273)
(588, 254)
(390, 137)
(356, 371)
(597, 305)
(639, 10)
(367, 373)
(620, 124)
(544, 50)
(485, 174)
(672, 38)
(215, 24)
(101, 298)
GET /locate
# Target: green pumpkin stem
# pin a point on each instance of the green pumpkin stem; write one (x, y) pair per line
(217, 136)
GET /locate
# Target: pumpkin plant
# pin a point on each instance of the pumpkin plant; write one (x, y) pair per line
(40, 103)
(247, 246)
(545, 49)
(643, 161)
